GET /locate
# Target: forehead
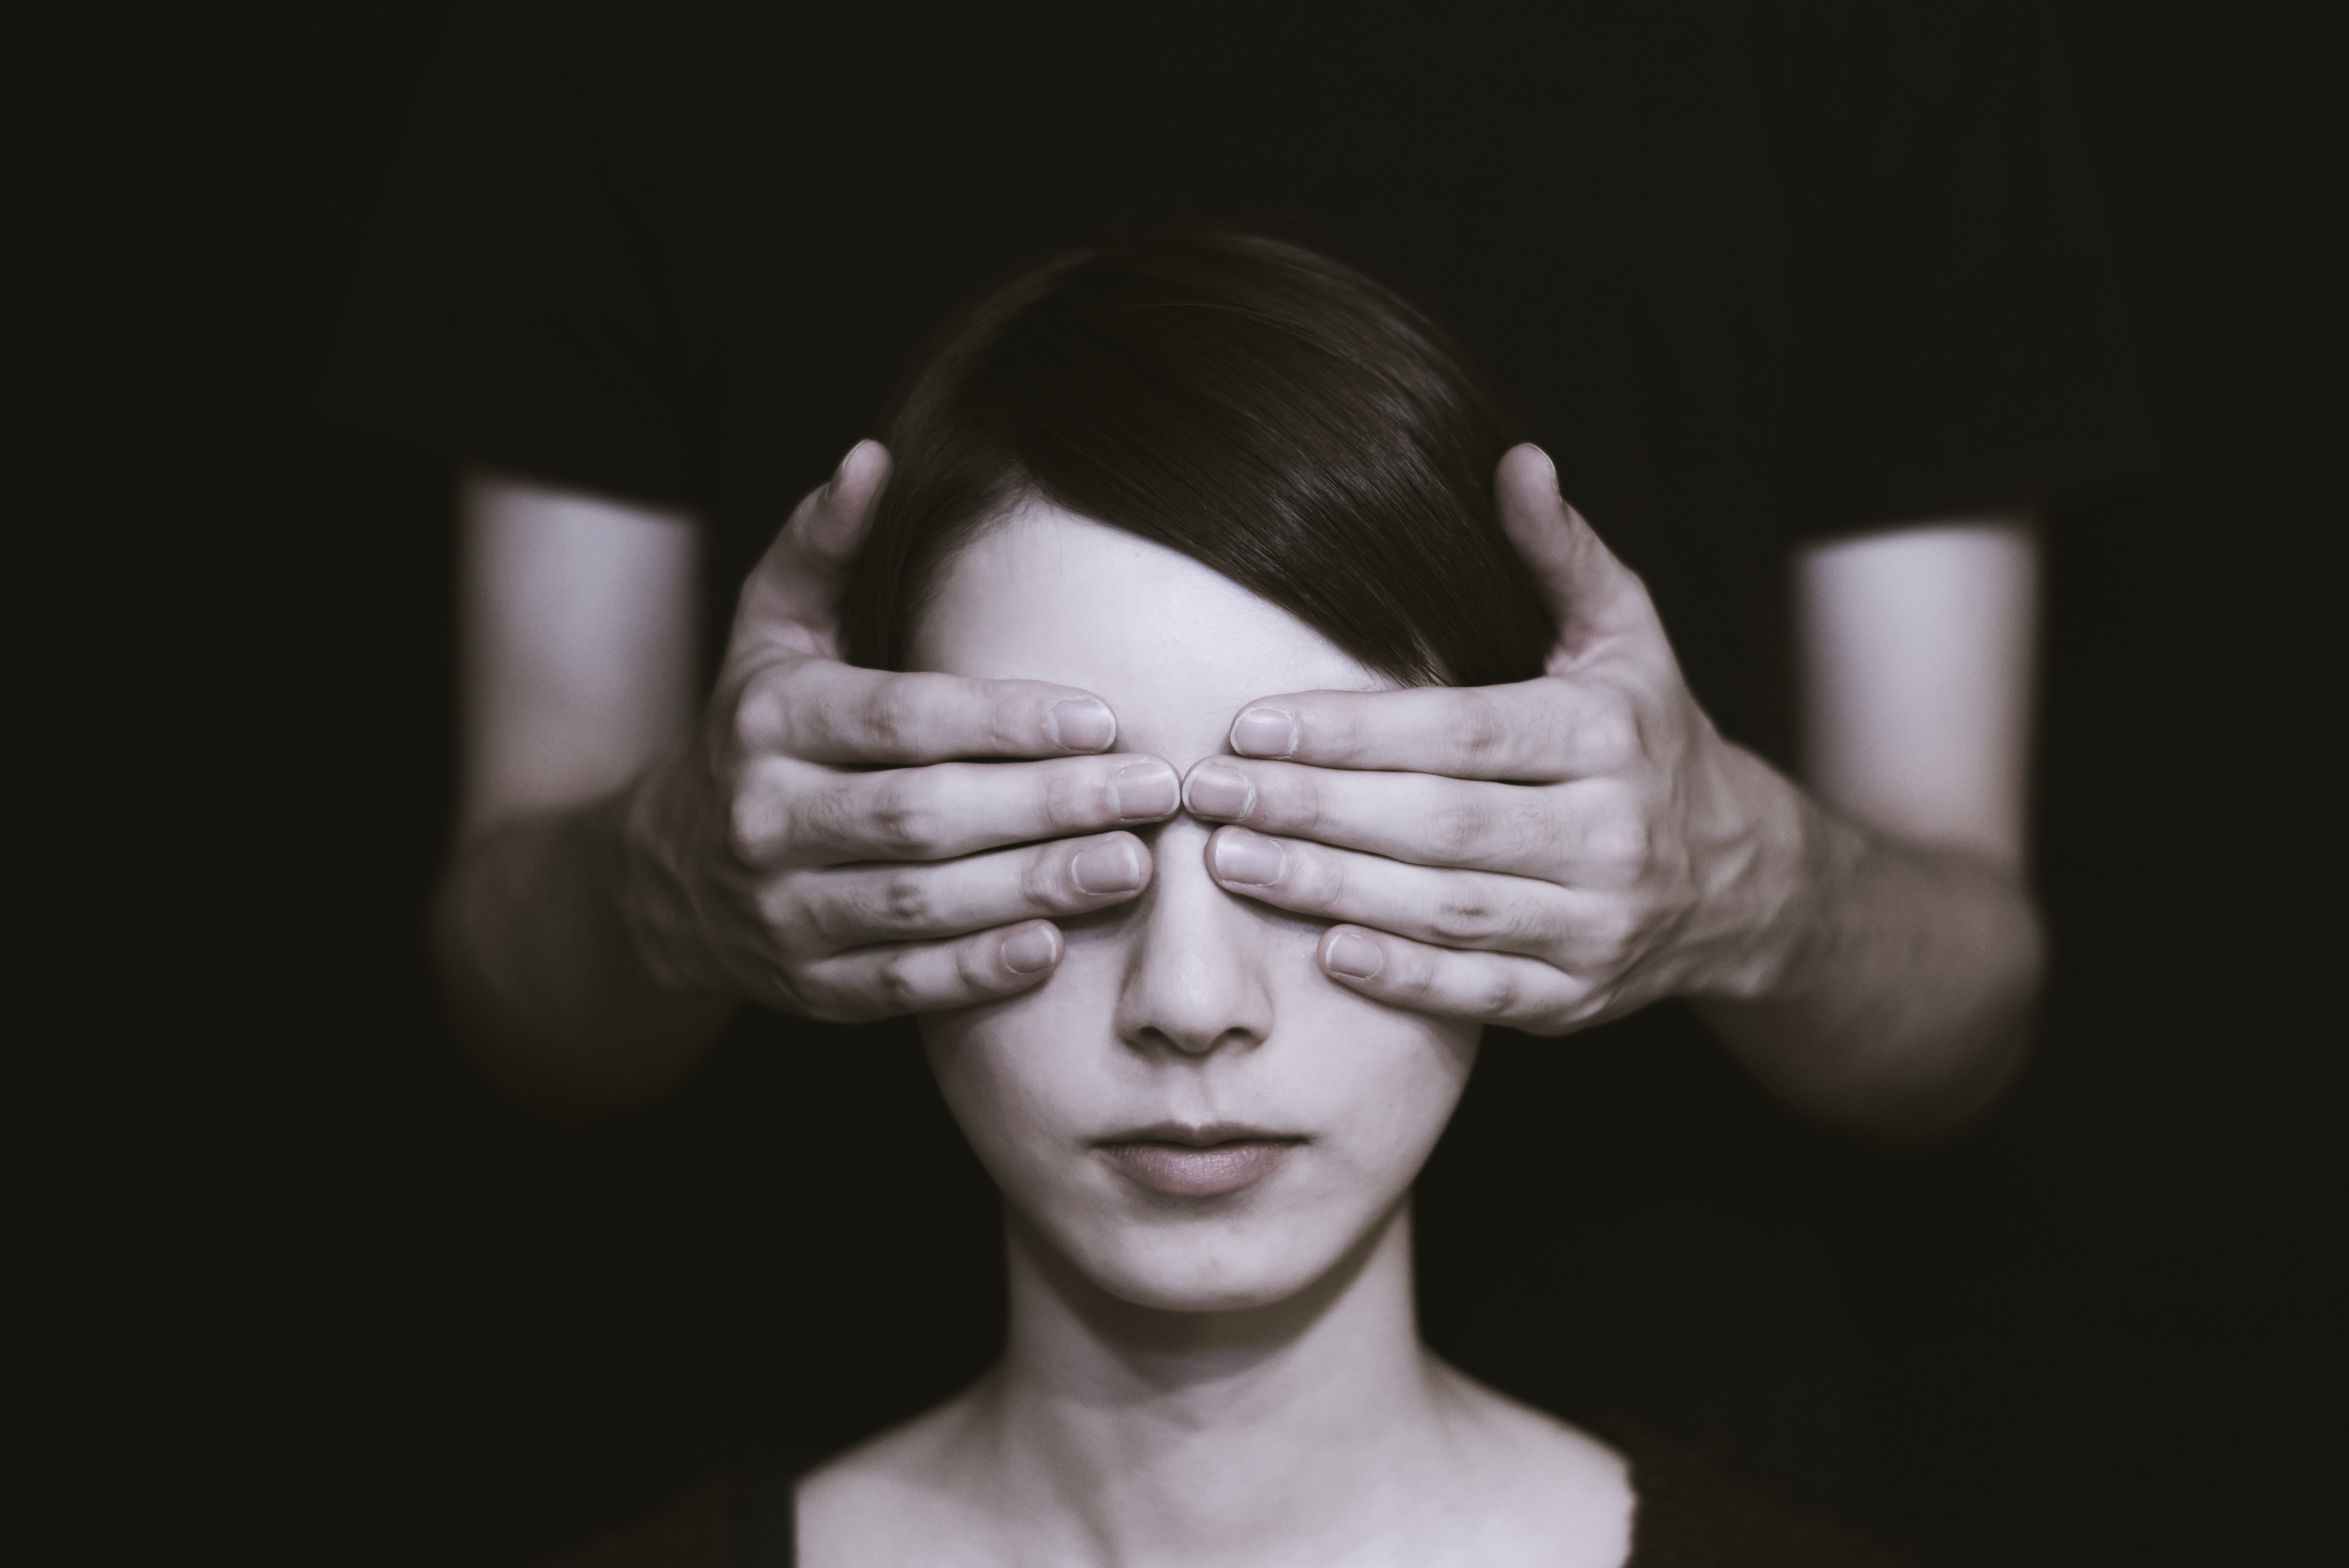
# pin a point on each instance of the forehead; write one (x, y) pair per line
(1174, 647)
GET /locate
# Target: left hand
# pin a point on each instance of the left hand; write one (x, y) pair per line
(1545, 855)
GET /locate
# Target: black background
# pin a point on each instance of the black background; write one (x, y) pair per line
(309, 1293)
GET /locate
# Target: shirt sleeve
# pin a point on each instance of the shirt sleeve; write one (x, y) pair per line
(511, 309)
(1963, 322)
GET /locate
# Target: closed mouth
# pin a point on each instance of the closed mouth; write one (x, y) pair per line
(1180, 1161)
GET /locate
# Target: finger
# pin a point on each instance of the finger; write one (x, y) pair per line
(1420, 817)
(870, 983)
(796, 586)
(854, 905)
(1490, 988)
(819, 711)
(1453, 909)
(952, 809)
(1596, 600)
(1536, 731)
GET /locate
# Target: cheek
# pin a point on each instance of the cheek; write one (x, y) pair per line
(1017, 1076)
(1387, 1086)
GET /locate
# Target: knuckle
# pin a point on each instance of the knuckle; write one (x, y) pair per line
(892, 713)
(1611, 736)
(897, 982)
(1496, 994)
(1071, 798)
(1457, 829)
(1475, 728)
(780, 916)
(1620, 843)
(1531, 827)
(903, 824)
(978, 972)
(1465, 919)
(1611, 934)
(905, 902)
(750, 828)
(750, 723)
(1313, 879)
(1047, 878)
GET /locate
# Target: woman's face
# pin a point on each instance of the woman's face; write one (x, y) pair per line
(1188, 1110)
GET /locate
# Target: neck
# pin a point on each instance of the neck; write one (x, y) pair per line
(1184, 1436)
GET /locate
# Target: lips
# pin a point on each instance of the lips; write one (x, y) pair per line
(1180, 1161)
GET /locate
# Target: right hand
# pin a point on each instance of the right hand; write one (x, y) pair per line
(824, 849)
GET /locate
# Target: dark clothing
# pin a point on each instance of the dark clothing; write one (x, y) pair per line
(1753, 273)
(1689, 1514)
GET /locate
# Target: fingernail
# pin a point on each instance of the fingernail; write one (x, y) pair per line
(1145, 791)
(1355, 957)
(1264, 732)
(1250, 858)
(1551, 464)
(840, 470)
(1213, 790)
(1026, 951)
(1081, 724)
(1107, 868)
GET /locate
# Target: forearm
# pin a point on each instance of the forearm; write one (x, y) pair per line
(543, 979)
(1900, 995)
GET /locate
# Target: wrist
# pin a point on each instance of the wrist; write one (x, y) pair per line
(643, 838)
(1788, 857)
(540, 974)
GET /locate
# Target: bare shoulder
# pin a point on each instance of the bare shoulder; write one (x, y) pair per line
(891, 1500)
(1553, 1495)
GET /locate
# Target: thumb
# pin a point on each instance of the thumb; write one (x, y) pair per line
(793, 594)
(1596, 600)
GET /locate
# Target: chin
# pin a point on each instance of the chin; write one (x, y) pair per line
(1208, 1265)
(1213, 1284)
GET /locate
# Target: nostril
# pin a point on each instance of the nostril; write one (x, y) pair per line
(1197, 1042)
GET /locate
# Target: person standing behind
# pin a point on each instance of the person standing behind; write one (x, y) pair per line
(1808, 302)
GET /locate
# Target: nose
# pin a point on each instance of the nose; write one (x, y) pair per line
(1196, 979)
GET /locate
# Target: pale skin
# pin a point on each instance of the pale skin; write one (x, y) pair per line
(1232, 1377)
(1546, 855)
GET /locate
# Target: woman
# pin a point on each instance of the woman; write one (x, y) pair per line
(1810, 311)
(1181, 472)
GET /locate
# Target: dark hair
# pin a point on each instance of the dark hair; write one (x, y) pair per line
(1262, 408)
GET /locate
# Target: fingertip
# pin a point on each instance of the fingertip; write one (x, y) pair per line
(1526, 487)
(1350, 955)
(1533, 462)
(1114, 867)
(836, 525)
(1238, 857)
(1033, 949)
(1214, 791)
(1080, 725)
(864, 468)
(1147, 789)
(1260, 730)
